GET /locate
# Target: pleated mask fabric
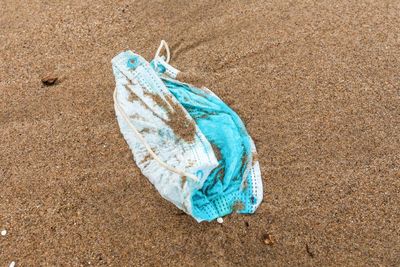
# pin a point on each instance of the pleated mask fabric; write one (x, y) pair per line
(191, 145)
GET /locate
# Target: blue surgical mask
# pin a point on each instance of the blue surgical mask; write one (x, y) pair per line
(233, 184)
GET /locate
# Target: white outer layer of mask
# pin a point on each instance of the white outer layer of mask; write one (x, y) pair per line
(148, 120)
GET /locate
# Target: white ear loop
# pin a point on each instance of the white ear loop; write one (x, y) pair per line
(165, 45)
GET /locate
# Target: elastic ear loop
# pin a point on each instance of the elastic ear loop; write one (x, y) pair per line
(147, 146)
(165, 45)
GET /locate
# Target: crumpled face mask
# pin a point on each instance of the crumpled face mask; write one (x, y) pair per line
(185, 140)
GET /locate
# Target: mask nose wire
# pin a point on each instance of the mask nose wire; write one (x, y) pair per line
(164, 45)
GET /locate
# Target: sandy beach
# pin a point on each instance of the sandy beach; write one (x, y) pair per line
(317, 84)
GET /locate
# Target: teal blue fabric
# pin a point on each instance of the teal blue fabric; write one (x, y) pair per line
(222, 192)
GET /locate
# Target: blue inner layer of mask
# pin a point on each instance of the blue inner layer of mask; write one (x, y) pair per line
(223, 190)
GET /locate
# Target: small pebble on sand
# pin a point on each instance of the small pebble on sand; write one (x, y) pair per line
(269, 239)
(12, 264)
(3, 232)
(49, 80)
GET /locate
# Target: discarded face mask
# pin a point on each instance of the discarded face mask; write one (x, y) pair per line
(185, 140)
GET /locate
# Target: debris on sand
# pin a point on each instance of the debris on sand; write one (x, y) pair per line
(3, 232)
(49, 80)
(309, 251)
(269, 239)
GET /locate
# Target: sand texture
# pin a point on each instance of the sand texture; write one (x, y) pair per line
(317, 84)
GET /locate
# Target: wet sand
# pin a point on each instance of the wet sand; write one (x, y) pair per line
(317, 84)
